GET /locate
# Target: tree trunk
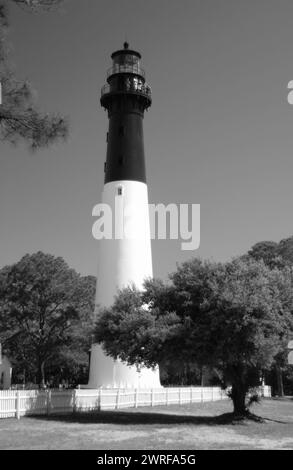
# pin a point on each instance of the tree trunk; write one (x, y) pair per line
(41, 374)
(279, 377)
(202, 376)
(238, 396)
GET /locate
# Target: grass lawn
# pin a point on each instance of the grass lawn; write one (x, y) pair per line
(196, 426)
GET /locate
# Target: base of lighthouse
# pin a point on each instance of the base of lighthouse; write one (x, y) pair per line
(107, 373)
(124, 260)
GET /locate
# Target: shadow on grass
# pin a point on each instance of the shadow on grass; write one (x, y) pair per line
(130, 418)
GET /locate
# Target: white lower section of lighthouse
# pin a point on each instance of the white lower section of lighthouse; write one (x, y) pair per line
(124, 259)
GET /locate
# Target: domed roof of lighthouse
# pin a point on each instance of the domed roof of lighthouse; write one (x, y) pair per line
(125, 51)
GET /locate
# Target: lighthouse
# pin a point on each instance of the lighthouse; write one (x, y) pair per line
(125, 258)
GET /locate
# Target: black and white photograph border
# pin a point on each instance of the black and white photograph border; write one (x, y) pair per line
(146, 238)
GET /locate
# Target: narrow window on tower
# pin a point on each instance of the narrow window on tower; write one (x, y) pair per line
(107, 137)
(119, 190)
(121, 131)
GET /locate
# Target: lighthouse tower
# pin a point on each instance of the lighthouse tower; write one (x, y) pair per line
(126, 258)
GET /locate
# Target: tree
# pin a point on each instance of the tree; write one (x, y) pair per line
(273, 254)
(285, 250)
(266, 251)
(45, 314)
(276, 255)
(20, 120)
(231, 317)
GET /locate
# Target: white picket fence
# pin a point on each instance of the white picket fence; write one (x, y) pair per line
(17, 403)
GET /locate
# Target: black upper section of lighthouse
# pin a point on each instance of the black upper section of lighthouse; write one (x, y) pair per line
(126, 96)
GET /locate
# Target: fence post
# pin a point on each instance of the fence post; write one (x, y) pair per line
(118, 399)
(152, 398)
(49, 401)
(74, 399)
(136, 398)
(17, 404)
(99, 399)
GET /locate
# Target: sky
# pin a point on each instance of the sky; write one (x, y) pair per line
(218, 134)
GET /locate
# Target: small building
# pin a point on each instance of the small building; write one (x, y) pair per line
(5, 373)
